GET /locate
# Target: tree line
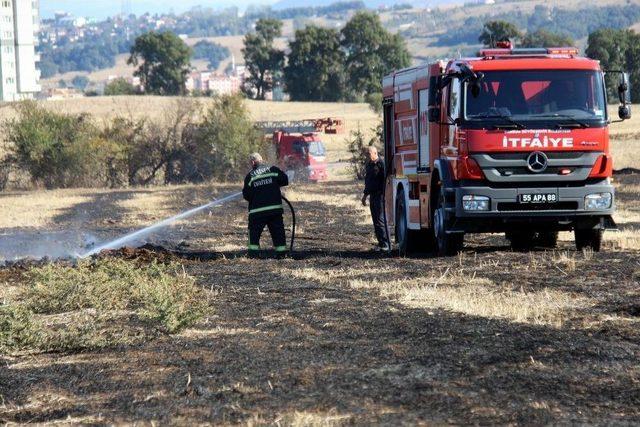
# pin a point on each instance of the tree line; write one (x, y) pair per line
(616, 49)
(576, 23)
(324, 64)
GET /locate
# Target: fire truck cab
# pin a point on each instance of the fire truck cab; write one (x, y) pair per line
(299, 147)
(513, 141)
(301, 155)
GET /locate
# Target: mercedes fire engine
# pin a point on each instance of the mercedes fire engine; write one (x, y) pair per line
(299, 148)
(513, 141)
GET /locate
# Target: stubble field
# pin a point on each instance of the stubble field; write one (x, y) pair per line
(338, 334)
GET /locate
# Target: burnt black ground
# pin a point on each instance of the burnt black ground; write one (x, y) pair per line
(276, 344)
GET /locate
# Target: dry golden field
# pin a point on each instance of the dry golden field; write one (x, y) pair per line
(338, 334)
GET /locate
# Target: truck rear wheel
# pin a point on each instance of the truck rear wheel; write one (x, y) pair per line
(589, 238)
(405, 238)
(447, 244)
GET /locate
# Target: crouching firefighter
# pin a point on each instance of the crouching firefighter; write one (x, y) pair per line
(262, 191)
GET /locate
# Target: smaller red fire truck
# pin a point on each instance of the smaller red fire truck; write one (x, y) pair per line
(299, 148)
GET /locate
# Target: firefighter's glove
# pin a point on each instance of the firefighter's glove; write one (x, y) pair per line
(364, 200)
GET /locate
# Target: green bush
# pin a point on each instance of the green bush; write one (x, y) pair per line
(99, 304)
(223, 141)
(358, 145)
(162, 294)
(18, 328)
(119, 86)
(58, 150)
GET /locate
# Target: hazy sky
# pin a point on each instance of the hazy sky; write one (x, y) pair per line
(102, 8)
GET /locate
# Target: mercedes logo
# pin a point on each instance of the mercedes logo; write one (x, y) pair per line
(537, 162)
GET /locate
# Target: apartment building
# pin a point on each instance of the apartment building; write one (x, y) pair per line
(19, 24)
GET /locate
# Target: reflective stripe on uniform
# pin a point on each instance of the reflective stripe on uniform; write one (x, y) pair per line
(266, 208)
(281, 248)
(254, 247)
(264, 175)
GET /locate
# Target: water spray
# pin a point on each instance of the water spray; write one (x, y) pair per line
(120, 242)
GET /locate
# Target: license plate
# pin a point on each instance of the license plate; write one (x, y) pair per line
(539, 198)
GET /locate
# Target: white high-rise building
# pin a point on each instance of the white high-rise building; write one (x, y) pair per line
(19, 26)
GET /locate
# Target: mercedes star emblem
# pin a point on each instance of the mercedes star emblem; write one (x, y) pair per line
(537, 162)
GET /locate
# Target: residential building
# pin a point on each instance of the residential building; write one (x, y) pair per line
(19, 25)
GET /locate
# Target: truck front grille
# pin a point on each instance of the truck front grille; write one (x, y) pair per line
(512, 167)
(519, 207)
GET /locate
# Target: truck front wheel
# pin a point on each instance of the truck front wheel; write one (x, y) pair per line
(447, 244)
(589, 238)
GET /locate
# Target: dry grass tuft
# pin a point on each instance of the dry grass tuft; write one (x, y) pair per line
(477, 296)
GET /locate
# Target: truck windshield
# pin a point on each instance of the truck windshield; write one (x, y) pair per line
(563, 96)
(316, 148)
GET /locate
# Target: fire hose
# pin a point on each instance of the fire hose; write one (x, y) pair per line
(293, 222)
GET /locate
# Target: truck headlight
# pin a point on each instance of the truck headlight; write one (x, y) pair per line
(472, 202)
(597, 201)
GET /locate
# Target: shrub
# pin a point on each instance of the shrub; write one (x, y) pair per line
(99, 304)
(18, 328)
(358, 145)
(220, 145)
(119, 86)
(163, 294)
(57, 150)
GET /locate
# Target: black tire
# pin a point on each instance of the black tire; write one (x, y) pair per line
(446, 244)
(409, 241)
(521, 240)
(547, 239)
(403, 235)
(588, 239)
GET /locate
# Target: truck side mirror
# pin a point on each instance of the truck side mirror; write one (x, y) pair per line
(624, 112)
(623, 88)
(434, 115)
(624, 94)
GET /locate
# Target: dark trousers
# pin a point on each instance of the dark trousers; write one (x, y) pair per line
(275, 224)
(376, 206)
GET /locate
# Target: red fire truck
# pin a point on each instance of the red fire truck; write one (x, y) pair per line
(513, 141)
(299, 148)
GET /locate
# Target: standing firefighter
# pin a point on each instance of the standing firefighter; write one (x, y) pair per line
(373, 187)
(262, 191)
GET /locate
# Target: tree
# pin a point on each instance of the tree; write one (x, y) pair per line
(80, 82)
(617, 50)
(371, 52)
(223, 141)
(543, 38)
(212, 52)
(316, 66)
(119, 86)
(496, 31)
(163, 62)
(263, 60)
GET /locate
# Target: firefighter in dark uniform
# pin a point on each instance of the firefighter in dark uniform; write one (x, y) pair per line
(262, 191)
(373, 187)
